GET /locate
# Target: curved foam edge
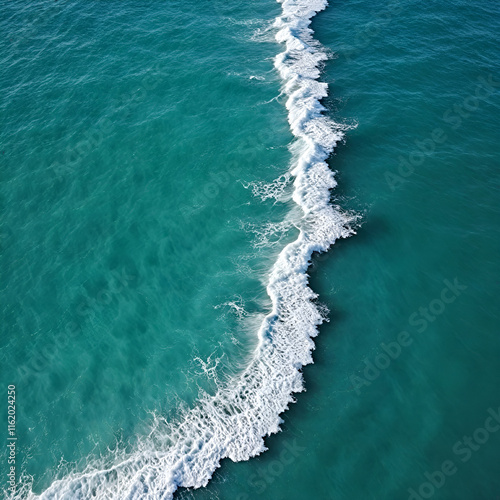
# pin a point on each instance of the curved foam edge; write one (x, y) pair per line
(233, 422)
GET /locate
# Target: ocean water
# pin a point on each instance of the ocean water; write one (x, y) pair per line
(163, 188)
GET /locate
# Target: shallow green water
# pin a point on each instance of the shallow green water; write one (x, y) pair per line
(129, 135)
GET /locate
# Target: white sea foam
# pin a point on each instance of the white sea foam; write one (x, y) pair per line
(233, 422)
(275, 189)
(263, 35)
(237, 306)
(270, 234)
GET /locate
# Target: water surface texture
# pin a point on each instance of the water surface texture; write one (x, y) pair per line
(173, 174)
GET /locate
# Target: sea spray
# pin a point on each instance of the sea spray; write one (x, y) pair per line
(233, 422)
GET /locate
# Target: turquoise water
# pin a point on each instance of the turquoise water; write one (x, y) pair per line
(139, 144)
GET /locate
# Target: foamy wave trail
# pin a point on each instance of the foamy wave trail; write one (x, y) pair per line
(233, 422)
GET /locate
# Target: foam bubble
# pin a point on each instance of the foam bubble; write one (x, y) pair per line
(233, 422)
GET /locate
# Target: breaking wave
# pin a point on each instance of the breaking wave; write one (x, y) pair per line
(234, 422)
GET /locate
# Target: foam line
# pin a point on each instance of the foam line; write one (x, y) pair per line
(233, 422)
